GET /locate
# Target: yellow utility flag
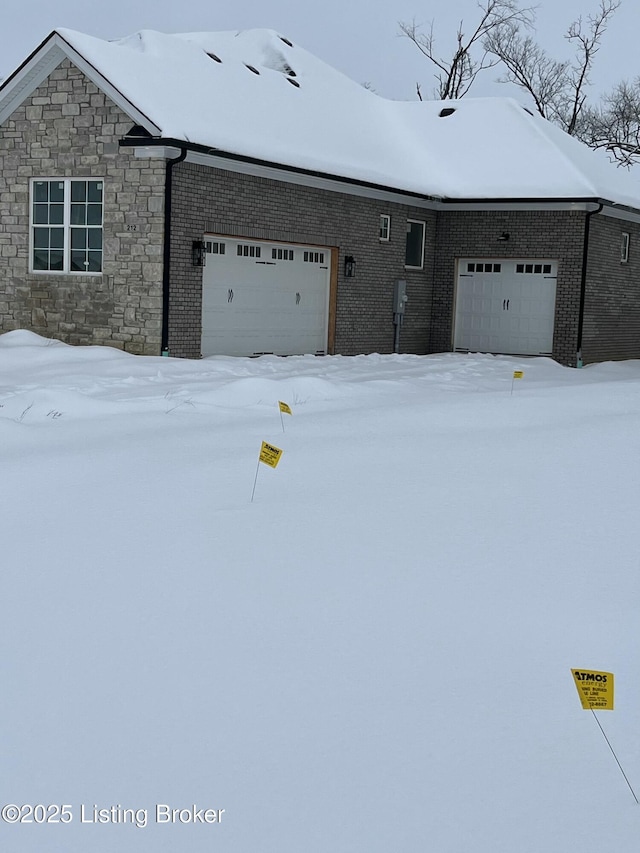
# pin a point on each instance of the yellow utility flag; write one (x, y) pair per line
(518, 374)
(284, 408)
(270, 455)
(595, 689)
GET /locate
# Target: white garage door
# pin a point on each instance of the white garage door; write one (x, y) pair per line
(505, 306)
(261, 297)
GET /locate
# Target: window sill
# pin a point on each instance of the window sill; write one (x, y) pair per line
(59, 274)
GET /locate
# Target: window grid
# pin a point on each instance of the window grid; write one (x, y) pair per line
(484, 267)
(214, 248)
(67, 225)
(282, 254)
(385, 227)
(244, 251)
(534, 269)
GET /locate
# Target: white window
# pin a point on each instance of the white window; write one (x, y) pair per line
(624, 248)
(414, 255)
(66, 225)
(385, 227)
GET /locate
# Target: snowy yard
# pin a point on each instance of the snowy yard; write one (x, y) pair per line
(374, 655)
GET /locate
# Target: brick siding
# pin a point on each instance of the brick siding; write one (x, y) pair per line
(612, 300)
(556, 235)
(207, 200)
(68, 128)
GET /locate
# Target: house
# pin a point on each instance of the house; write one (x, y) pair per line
(229, 193)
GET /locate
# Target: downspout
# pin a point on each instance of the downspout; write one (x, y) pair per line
(583, 281)
(166, 255)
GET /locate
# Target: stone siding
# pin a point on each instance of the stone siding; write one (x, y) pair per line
(68, 128)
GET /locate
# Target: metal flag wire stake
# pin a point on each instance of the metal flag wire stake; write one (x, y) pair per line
(270, 455)
(255, 480)
(588, 705)
(614, 755)
(517, 374)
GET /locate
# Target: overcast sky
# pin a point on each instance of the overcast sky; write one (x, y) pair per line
(359, 37)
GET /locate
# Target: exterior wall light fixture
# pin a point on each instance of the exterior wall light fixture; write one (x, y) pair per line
(198, 256)
(349, 266)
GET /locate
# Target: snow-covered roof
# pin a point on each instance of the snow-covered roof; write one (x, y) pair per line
(255, 94)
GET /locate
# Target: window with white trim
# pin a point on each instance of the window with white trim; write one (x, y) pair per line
(67, 225)
(624, 248)
(385, 227)
(414, 254)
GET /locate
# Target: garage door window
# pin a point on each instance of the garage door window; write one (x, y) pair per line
(282, 254)
(244, 251)
(484, 267)
(534, 269)
(414, 254)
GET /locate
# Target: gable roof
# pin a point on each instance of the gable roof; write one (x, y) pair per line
(256, 95)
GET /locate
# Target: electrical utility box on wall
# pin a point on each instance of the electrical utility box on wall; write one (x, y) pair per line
(400, 298)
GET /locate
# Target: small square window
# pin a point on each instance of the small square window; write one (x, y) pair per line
(624, 248)
(385, 227)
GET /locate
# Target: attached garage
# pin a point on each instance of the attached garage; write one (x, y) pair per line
(505, 306)
(261, 297)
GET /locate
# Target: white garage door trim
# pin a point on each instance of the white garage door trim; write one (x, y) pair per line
(505, 306)
(261, 297)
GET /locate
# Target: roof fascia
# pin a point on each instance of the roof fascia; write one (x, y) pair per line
(627, 214)
(311, 179)
(37, 67)
(287, 174)
(332, 184)
(506, 204)
(203, 156)
(26, 79)
(316, 180)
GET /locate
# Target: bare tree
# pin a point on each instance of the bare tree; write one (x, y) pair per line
(614, 125)
(457, 72)
(558, 89)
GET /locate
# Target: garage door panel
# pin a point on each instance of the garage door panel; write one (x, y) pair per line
(505, 306)
(262, 297)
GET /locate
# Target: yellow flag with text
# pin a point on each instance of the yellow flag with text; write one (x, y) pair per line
(595, 689)
(284, 408)
(269, 454)
(518, 374)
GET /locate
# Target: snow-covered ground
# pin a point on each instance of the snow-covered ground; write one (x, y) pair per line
(374, 655)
